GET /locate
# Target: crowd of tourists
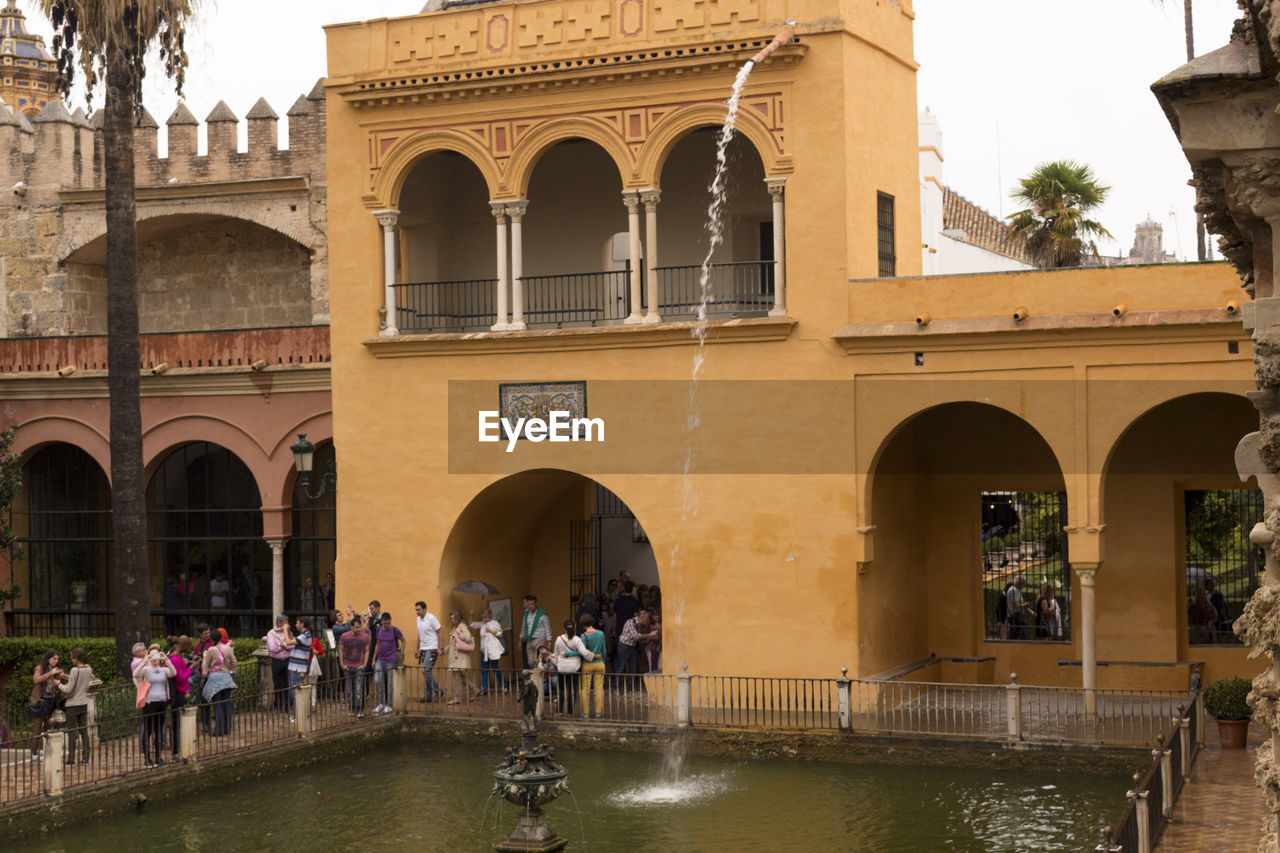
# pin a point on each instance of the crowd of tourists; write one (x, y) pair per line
(616, 634)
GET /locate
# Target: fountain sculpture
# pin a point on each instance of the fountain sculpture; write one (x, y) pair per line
(529, 777)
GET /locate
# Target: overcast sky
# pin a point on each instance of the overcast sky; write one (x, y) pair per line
(1012, 82)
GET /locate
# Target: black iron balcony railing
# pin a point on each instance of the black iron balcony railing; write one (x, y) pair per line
(589, 297)
(736, 288)
(446, 306)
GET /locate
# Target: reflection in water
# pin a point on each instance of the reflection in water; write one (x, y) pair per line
(426, 796)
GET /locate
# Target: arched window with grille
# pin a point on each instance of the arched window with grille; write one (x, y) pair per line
(204, 532)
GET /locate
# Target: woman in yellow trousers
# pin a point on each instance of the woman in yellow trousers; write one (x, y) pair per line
(593, 670)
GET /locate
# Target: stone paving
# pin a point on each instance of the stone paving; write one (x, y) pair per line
(1220, 810)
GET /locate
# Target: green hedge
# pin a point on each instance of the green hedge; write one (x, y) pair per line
(19, 657)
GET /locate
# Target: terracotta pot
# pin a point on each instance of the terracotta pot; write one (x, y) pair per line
(1233, 733)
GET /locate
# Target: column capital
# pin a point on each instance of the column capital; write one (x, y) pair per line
(499, 211)
(516, 208)
(650, 196)
(631, 198)
(276, 545)
(776, 186)
(387, 218)
(1086, 571)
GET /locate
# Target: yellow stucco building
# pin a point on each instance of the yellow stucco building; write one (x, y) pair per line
(517, 194)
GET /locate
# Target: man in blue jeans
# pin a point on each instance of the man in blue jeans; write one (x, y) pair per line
(390, 646)
(430, 640)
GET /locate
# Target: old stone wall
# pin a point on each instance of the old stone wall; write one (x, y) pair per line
(218, 274)
(227, 239)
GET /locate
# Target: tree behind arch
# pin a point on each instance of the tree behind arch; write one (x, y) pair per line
(108, 41)
(1054, 224)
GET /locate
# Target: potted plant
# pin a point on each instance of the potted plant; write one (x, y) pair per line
(1226, 700)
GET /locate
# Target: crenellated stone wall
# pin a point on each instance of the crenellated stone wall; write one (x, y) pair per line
(227, 238)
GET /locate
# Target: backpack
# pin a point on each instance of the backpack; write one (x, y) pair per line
(1002, 606)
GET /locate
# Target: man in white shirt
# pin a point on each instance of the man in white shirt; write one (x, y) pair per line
(430, 641)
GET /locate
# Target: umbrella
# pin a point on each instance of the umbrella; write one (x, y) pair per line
(476, 588)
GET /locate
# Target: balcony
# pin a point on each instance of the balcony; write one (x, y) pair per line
(458, 259)
(734, 289)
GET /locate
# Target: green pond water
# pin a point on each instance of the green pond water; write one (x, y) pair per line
(430, 797)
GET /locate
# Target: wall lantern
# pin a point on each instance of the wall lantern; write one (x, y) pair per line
(303, 455)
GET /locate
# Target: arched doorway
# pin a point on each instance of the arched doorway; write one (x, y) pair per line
(946, 483)
(207, 557)
(554, 534)
(62, 518)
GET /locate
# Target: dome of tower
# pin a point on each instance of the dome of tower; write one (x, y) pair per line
(28, 74)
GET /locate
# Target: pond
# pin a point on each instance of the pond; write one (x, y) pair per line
(431, 796)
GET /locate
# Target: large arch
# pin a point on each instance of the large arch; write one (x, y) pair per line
(400, 161)
(92, 244)
(516, 534)
(536, 142)
(679, 123)
(927, 590)
(164, 436)
(47, 429)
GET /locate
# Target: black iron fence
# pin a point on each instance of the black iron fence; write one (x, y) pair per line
(1150, 802)
(446, 306)
(1025, 576)
(735, 288)
(589, 297)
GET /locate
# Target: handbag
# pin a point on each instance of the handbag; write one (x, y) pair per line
(464, 645)
(313, 669)
(144, 687)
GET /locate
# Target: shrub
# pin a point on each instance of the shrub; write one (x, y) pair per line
(995, 543)
(19, 656)
(1227, 699)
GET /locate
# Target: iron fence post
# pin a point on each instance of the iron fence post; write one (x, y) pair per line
(187, 732)
(1184, 732)
(684, 695)
(54, 746)
(1014, 692)
(1199, 712)
(844, 688)
(1163, 753)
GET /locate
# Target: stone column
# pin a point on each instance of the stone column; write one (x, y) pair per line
(400, 689)
(1088, 632)
(776, 190)
(277, 578)
(499, 210)
(187, 732)
(302, 708)
(651, 197)
(631, 198)
(55, 744)
(388, 219)
(515, 209)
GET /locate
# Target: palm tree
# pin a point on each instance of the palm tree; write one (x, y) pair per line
(114, 36)
(1058, 196)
